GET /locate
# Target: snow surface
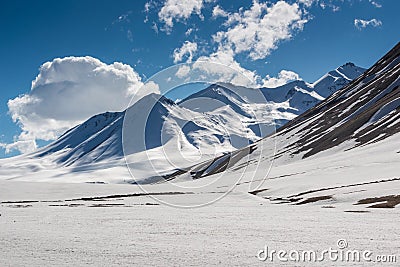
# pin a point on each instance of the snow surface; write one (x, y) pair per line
(227, 233)
(69, 226)
(334, 80)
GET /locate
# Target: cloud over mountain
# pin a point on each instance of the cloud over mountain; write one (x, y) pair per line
(69, 90)
(253, 32)
(259, 29)
(187, 50)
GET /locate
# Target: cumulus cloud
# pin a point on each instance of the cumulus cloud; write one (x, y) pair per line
(259, 29)
(188, 49)
(225, 69)
(219, 12)
(255, 31)
(183, 71)
(23, 146)
(178, 10)
(68, 91)
(284, 76)
(361, 24)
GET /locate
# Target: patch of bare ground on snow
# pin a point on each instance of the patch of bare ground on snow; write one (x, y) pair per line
(382, 202)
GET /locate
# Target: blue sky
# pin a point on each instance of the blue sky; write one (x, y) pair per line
(139, 34)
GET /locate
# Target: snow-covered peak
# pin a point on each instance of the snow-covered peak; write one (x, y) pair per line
(215, 97)
(220, 118)
(350, 70)
(336, 79)
(364, 112)
(95, 130)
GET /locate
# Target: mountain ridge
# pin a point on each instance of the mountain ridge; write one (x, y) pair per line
(100, 139)
(364, 112)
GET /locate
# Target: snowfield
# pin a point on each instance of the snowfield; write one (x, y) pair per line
(106, 224)
(125, 232)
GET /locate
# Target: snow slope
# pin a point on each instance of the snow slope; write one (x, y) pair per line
(218, 119)
(347, 144)
(144, 131)
(336, 79)
(286, 101)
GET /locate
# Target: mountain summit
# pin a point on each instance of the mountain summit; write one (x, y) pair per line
(336, 79)
(361, 120)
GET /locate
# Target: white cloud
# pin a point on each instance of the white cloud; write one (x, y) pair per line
(325, 5)
(259, 29)
(183, 71)
(226, 69)
(335, 8)
(375, 4)
(219, 12)
(21, 146)
(284, 76)
(147, 88)
(233, 72)
(256, 31)
(147, 7)
(68, 91)
(188, 49)
(360, 23)
(189, 31)
(178, 10)
(307, 3)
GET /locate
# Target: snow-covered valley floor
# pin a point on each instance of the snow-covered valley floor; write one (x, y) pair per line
(45, 224)
(303, 205)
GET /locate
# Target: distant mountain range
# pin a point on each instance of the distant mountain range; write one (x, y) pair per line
(356, 128)
(216, 120)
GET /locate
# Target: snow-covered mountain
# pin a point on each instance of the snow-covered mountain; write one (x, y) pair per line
(153, 121)
(327, 178)
(216, 120)
(364, 112)
(336, 79)
(302, 95)
(286, 101)
(96, 139)
(347, 144)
